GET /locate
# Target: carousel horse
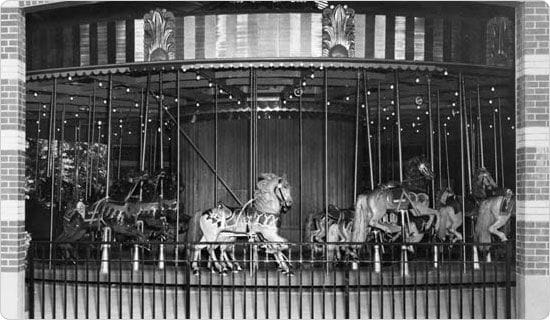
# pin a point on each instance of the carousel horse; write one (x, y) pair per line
(355, 226)
(371, 207)
(258, 219)
(448, 220)
(494, 213)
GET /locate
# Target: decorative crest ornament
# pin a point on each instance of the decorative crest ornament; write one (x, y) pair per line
(159, 39)
(500, 42)
(338, 32)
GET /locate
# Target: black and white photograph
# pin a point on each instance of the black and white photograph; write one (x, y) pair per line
(274, 159)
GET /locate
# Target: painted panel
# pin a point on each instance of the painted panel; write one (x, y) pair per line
(210, 36)
(400, 28)
(419, 34)
(120, 30)
(84, 44)
(359, 35)
(380, 37)
(189, 37)
(102, 43)
(438, 39)
(139, 46)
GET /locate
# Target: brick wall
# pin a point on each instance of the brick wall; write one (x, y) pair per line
(12, 137)
(533, 138)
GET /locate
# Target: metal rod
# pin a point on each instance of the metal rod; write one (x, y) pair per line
(76, 157)
(178, 163)
(141, 131)
(90, 146)
(146, 121)
(109, 129)
(379, 134)
(501, 149)
(215, 145)
(51, 131)
(462, 180)
(495, 147)
(480, 127)
(119, 152)
(398, 113)
(325, 158)
(431, 134)
(251, 139)
(367, 118)
(464, 115)
(356, 145)
(161, 139)
(300, 157)
(37, 162)
(201, 155)
(447, 156)
(88, 138)
(60, 156)
(472, 132)
(439, 171)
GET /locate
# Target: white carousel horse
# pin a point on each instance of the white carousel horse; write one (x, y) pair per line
(257, 219)
(447, 220)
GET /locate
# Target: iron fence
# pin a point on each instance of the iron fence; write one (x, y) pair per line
(144, 280)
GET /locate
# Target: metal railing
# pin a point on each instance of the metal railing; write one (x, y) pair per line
(134, 280)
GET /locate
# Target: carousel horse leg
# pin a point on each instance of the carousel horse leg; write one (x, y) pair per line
(236, 264)
(196, 256)
(475, 258)
(217, 265)
(501, 221)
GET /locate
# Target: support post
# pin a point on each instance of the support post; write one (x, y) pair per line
(501, 148)
(367, 118)
(480, 127)
(356, 144)
(109, 134)
(379, 132)
(398, 113)
(431, 133)
(178, 164)
(462, 181)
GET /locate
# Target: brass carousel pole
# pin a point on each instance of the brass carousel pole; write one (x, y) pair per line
(51, 164)
(91, 105)
(501, 149)
(440, 172)
(356, 144)
(445, 134)
(38, 122)
(398, 113)
(325, 160)
(178, 164)
(379, 133)
(76, 162)
(60, 147)
(495, 147)
(92, 141)
(215, 144)
(109, 133)
(300, 157)
(462, 180)
(480, 128)
(367, 115)
(251, 138)
(464, 115)
(431, 133)
(145, 129)
(119, 151)
(141, 125)
(161, 139)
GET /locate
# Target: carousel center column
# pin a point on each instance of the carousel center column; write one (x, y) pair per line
(532, 160)
(12, 164)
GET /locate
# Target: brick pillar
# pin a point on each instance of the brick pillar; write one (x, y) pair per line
(12, 164)
(533, 159)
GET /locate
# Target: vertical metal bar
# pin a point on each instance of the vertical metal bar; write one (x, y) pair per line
(30, 275)
(146, 122)
(98, 287)
(325, 165)
(462, 181)
(356, 145)
(76, 286)
(90, 145)
(119, 280)
(447, 157)
(495, 147)
(109, 133)
(439, 169)
(251, 139)
(37, 146)
(480, 127)
(301, 168)
(119, 152)
(76, 158)
(161, 139)
(367, 118)
(142, 268)
(300, 292)
(484, 285)
(501, 149)
(51, 166)
(54, 285)
(379, 133)
(464, 115)
(64, 290)
(495, 291)
(398, 113)
(426, 293)
(43, 295)
(431, 134)
(87, 285)
(60, 147)
(215, 145)
(178, 172)
(472, 132)
(449, 285)
(141, 126)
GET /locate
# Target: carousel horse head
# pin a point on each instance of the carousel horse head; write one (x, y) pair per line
(419, 165)
(484, 179)
(273, 193)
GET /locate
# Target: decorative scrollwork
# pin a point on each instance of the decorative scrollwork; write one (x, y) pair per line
(159, 39)
(500, 42)
(338, 31)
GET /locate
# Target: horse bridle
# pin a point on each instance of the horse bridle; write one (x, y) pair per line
(280, 195)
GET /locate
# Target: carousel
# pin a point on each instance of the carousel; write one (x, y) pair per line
(334, 153)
